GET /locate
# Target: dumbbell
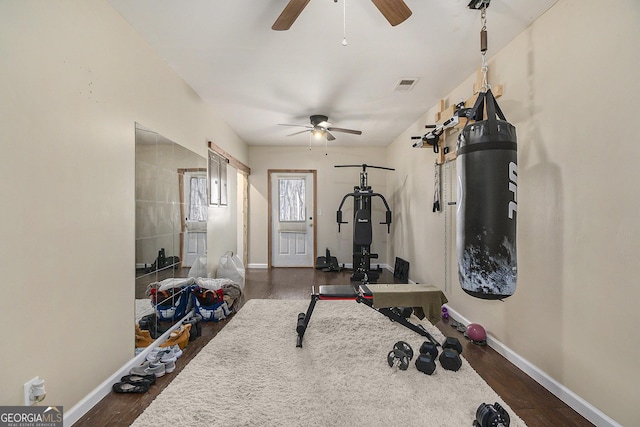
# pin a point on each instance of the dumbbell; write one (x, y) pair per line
(450, 357)
(445, 312)
(400, 356)
(491, 416)
(426, 362)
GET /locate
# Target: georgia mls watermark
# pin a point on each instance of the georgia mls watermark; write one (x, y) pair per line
(30, 416)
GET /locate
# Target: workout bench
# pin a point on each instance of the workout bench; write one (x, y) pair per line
(381, 297)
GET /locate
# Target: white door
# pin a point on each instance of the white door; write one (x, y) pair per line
(195, 222)
(292, 219)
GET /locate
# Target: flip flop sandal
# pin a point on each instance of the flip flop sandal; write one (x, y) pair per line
(123, 387)
(458, 326)
(136, 379)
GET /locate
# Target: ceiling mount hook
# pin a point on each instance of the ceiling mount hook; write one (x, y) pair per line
(478, 4)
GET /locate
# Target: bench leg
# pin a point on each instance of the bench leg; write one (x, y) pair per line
(303, 322)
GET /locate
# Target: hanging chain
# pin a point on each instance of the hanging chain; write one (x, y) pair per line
(483, 18)
(483, 49)
(344, 22)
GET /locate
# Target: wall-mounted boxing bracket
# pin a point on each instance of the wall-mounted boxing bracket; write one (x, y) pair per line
(433, 137)
(452, 118)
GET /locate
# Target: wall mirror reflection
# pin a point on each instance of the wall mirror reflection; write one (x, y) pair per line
(171, 194)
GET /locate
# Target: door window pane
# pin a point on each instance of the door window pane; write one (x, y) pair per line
(292, 202)
(198, 208)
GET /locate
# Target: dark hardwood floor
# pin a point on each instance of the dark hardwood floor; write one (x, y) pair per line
(534, 404)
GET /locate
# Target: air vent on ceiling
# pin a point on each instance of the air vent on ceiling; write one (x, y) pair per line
(405, 84)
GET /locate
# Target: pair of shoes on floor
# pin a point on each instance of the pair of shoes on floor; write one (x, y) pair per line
(134, 383)
(156, 368)
(177, 351)
(458, 326)
(164, 354)
(160, 368)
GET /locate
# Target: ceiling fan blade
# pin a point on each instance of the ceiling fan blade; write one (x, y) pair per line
(355, 132)
(396, 11)
(329, 136)
(289, 15)
(297, 133)
(300, 126)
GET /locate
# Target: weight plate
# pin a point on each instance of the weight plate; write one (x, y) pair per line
(405, 348)
(399, 358)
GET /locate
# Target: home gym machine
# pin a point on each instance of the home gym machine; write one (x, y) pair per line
(362, 230)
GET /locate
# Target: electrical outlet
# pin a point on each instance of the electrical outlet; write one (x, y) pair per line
(28, 390)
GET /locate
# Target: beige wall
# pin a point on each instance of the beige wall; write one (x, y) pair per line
(570, 87)
(75, 77)
(333, 183)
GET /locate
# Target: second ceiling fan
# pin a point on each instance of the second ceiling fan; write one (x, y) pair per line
(396, 12)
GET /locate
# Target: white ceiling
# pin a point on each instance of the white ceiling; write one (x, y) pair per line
(255, 78)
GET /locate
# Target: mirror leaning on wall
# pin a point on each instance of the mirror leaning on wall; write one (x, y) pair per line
(171, 231)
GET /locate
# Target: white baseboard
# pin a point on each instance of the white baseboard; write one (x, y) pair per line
(97, 394)
(255, 265)
(578, 404)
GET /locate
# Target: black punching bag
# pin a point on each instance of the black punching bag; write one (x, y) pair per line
(486, 167)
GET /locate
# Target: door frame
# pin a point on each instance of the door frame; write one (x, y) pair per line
(270, 172)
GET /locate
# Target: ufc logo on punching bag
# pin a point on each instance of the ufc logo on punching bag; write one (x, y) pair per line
(513, 187)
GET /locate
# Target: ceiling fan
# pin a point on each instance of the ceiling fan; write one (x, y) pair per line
(320, 127)
(396, 12)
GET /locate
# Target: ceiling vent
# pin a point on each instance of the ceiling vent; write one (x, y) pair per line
(405, 84)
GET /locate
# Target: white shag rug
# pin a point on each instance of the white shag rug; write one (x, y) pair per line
(252, 374)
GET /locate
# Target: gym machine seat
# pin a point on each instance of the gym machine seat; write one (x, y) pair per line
(380, 297)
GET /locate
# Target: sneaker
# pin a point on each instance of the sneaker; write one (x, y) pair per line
(156, 369)
(170, 366)
(177, 351)
(167, 356)
(139, 370)
(154, 355)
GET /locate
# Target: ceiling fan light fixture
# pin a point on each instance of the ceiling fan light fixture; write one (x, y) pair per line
(320, 129)
(317, 133)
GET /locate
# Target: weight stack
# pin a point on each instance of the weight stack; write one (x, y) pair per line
(486, 167)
